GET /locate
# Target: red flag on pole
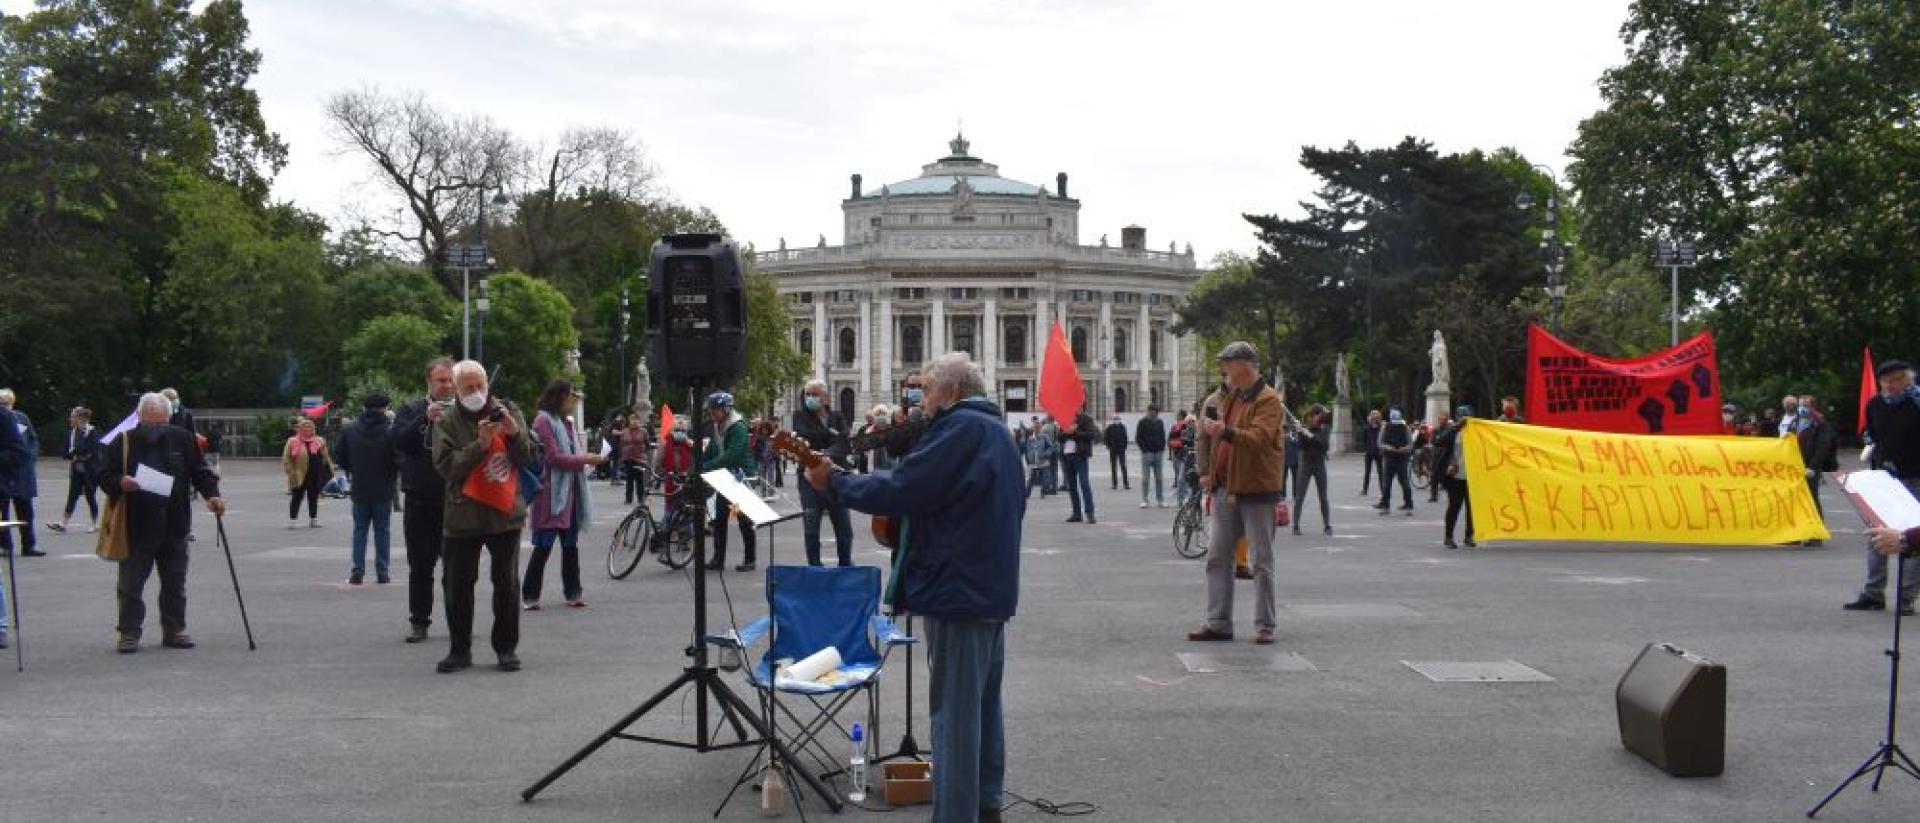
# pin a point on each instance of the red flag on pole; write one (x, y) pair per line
(317, 412)
(666, 422)
(1867, 386)
(1061, 392)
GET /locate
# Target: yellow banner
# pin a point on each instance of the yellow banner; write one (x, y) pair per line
(1537, 483)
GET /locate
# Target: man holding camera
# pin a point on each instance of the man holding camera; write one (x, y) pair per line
(423, 513)
(479, 447)
(1243, 437)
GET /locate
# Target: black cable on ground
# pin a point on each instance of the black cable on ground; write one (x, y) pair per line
(1071, 808)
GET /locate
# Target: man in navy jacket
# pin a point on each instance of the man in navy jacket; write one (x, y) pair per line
(962, 497)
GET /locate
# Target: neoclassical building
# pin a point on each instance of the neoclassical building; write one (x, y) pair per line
(960, 258)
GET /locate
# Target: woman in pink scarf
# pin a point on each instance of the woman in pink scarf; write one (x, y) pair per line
(309, 465)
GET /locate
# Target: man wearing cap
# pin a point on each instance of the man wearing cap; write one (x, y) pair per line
(1243, 435)
(366, 455)
(727, 449)
(1893, 426)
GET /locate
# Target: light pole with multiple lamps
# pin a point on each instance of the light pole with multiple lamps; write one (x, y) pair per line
(1552, 247)
(469, 259)
(1675, 255)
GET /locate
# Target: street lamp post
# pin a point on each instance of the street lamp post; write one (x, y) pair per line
(1675, 255)
(1552, 247)
(469, 259)
(625, 398)
(480, 307)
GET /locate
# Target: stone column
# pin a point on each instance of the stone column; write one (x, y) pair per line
(862, 357)
(990, 345)
(886, 348)
(1103, 353)
(1143, 354)
(821, 338)
(1171, 348)
(937, 330)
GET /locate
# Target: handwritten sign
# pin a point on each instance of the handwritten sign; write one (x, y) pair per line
(1540, 483)
(1675, 391)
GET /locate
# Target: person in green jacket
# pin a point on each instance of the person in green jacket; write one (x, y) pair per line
(727, 449)
(461, 440)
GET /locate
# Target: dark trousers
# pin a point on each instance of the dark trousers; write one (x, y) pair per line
(311, 492)
(1289, 476)
(1079, 487)
(21, 509)
(170, 556)
(1456, 501)
(421, 523)
(1396, 468)
(814, 504)
(569, 561)
(1372, 466)
(1304, 478)
(718, 530)
(462, 556)
(1117, 464)
(634, 489)
(80, 484)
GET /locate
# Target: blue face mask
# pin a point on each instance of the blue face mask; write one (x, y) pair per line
(813, 403)
(915, 396)
(1394, 418)
(1802, 411)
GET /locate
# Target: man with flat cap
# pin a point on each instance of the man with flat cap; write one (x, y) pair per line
(1243, 452)
(1893, 426)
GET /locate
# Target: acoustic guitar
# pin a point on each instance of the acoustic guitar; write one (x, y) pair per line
(886, 530)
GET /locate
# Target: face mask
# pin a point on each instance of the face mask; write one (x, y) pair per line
(473, 402)
(915, 396)
(1394, 418)
(1803, 411)
(175, 406)
(812, 403)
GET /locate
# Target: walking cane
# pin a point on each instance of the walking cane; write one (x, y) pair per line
(13, 599)
(220, 525)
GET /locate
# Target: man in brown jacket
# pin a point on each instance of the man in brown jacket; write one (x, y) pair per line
(1243, 438)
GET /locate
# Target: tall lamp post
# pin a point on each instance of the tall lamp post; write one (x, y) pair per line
(469, 259)
(1675, 255)
(625, 397)
(480, 307)
(1553, 249)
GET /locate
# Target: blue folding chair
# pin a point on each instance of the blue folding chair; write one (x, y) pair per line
(809, 609)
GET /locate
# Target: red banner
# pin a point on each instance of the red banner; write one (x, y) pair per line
(1675, 391)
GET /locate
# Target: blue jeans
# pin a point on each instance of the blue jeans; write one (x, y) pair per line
(1401, 469)
(814, 504)
(968, 658)
(1150, 464)
(380, 516)
(1079, 483)
(1181, 465)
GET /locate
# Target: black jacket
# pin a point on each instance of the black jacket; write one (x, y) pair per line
(80, 451)
(1084, 430)
(1445, 441)
(1313, 445)
(1895, 428)
(411, 439)
(152, 519)
(828, 437)
(1150, 434)
(1396, 436)
(1372, 436)
(365, 451)
(1116, 436)
(1820, 447)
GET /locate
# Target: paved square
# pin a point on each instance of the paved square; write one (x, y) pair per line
(335, 719)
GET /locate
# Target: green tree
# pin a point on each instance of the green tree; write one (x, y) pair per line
(528, 334)
(388, 287)
(394, 348)
(773, 365)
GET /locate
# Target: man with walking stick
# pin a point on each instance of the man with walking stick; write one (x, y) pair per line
(153, 473)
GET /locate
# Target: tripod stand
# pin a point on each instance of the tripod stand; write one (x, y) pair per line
(1889, 755)
(702, 676)
(909, 747)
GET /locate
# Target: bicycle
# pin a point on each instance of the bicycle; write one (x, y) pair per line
(1190, 522)
(1422, 467)
(670, 538)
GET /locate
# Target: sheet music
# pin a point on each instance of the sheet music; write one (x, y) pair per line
(1882, 496)
(747, 500)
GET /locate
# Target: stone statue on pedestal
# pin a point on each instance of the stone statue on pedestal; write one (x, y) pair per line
(1441, 376)
(1340, 380)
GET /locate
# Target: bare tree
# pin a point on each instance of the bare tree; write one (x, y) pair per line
(437, 163)
(584, 164)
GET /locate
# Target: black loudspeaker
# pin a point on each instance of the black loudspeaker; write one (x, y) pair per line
(696, 310)
(1673, 711)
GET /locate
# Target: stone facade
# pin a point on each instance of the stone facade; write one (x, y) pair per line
(963, 259)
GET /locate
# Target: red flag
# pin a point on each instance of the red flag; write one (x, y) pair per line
(1675, 391)
(666, 422)
(317, 412)
(1061, 392)
(1867, 385)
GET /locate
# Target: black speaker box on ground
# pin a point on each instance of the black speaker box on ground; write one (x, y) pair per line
(1673, 711)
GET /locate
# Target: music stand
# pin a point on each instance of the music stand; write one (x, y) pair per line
(1880, 500)
(13, 597)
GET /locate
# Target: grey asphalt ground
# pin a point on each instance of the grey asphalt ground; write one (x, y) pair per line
(335, 719)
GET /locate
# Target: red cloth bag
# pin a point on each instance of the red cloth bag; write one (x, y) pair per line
(494, 483)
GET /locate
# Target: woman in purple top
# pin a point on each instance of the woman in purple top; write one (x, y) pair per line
(560, 508)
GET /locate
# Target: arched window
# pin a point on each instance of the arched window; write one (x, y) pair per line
(1153, 346)
(804, 337)
(912, 352)
(1078, 342)
(1120, 346)
(1016, 348)
(846, 346)
(846, 403)
(1119, 399)
(963, 337)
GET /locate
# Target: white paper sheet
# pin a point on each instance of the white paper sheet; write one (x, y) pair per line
(153, 481)
(606, 448)
(1072, 446)
(739, 495)
(1886, 498)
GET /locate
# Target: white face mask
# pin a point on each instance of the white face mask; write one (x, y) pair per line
(473, 402)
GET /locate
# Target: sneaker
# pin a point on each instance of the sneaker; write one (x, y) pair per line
(1327, 530)
(92, 528)
(1074, 519)
(384, 579)
(313, 523)
(453, 663)
(32, 553)
(1449, 543)
(1264, 637)
(576, 603)
(57, 527)
(355, 578)
(1143, 504)
(127, 644)
(1090, 520)
(293, 524)
(177, 641)
(1471, 544)
(509, 662)
(1866, 604)
(416, 633)
(744, 567)
(531, 605)
(1163, 504)
(1208, 635)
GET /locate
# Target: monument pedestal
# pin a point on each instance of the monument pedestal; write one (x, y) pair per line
(1343, 427)
(1438, 398)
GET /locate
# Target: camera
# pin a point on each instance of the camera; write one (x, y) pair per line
(496, 413)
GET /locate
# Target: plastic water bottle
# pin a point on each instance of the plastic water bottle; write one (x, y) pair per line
(857, 767)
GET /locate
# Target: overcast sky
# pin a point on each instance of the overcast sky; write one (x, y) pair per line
(1178, 116)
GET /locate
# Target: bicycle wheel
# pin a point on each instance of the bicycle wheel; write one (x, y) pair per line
(1190, 537)
(676, 542)
(630, 540)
